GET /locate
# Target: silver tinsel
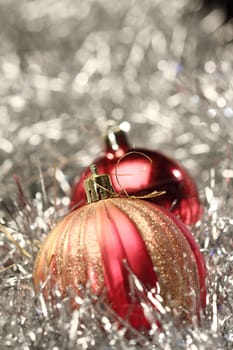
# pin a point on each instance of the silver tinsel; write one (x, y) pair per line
(67, 67)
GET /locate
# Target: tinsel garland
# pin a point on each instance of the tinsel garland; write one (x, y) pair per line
(67, 68)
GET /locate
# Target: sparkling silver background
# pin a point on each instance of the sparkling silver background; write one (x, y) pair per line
(66, 69)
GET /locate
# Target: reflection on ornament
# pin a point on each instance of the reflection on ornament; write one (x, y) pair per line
(138, 177)
(103, 241)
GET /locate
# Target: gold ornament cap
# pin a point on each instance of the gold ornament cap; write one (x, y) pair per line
(97, 186)
(115, 138)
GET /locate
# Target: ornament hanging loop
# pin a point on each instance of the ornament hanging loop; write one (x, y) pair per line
(146, 196)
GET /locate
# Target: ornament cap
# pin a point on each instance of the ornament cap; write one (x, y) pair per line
(116, 139)
(97, 186)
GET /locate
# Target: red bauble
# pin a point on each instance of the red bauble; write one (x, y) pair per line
(104, 240)
(138, 177)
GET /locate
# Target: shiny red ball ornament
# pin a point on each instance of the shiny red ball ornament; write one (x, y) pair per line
(138, 176)
(109, 238)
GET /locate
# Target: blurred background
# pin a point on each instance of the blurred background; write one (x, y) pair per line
(68, 69)
(225, 5)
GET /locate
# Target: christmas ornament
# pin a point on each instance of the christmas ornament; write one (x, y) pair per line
(138, 176)
(104, 241)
